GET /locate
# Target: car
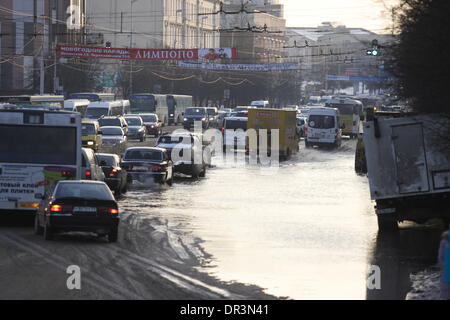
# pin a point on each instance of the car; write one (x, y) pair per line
(152, 123)
(116, 121)
(147, 163)
(91, 135)
(90, 168)
(235, 133)
(195, 114)
(114, 140)
(136, 128)
(212, 116)
(74, 205)
(323, 128)
(178, 146)
(241, 108)
(221, 117)
(116, 177)
(301, 126)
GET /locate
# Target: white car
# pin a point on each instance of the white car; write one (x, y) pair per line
(114, 139)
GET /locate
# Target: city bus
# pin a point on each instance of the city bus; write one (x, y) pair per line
(93, 96)
(351, 112)
(35, 100)
(39, 148)
(169, 108)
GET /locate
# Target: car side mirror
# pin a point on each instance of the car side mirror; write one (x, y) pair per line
(159, 121)
(100, 132)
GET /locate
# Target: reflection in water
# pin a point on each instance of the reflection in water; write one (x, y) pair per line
(399, 254)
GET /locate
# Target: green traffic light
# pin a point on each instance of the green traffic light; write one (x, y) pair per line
(375, 52)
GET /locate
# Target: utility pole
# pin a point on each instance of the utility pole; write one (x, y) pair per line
(131, 45)
(43, 51)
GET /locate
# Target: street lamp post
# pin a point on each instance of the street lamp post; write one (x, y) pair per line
(131, 45)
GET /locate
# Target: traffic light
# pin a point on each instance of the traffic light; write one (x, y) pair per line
(375, 51)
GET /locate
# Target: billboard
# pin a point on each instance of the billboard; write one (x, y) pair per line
(144, 54)
(288, 66)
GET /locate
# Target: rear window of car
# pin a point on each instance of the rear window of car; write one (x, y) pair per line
(86, 191)
(141, 154)
(107, 161)
(235, 124)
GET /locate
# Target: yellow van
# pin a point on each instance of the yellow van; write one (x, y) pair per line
(91, 136)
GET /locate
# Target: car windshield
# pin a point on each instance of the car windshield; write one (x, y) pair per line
(211, 112)
(195, 111)
(134, 121)
(143, 154)
(175, 139)
(117, 131)
(235, 124)
(87, 191)
(87, 129)
(321, 122)
(149, 118)
(109, 122)
(105, 160)
(96, 112)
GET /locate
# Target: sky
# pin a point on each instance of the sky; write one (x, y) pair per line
(369, 14)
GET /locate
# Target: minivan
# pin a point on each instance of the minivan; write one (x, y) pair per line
(96, 110)
(322, 128)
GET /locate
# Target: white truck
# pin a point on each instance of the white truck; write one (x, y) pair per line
(408, 164)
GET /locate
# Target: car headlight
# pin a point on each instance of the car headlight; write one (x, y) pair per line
(152, 126)
(204, 119)
(185, 119)
(90, 143)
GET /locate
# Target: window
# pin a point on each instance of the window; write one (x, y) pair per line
(38, 145)
(321, 122)
(83, 190)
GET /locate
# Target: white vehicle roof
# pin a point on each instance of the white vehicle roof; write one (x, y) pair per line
(71, 103)
(105, 104)
(323, 111)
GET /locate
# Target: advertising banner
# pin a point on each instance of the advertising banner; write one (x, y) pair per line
(144, 54)
(240, 67)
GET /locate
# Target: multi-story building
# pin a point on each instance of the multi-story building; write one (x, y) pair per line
(154, 24)
(264, 43)
(29, 30)
(334, 50)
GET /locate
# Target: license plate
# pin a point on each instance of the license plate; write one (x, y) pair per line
(137, 168)
(85, 209)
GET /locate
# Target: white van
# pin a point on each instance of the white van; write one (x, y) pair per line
(235, 133)
(77, 105)
(323, 128)
(96, 110)
(260, 104)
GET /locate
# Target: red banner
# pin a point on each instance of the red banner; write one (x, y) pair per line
(143, 54)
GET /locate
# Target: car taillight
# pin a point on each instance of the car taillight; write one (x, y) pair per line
(56, 208)
(67, 174)
(222, 129)
(88, 174)
(114, 173)
(113, 211)
(156, 168)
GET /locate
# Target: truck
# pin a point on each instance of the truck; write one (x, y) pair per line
(407, 157)
(272, 119)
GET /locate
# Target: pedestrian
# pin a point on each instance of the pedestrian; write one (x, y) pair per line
(444, 261)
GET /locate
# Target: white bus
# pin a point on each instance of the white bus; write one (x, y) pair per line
(38, 148)
(76, 105)
(35, 100)
(96, 110)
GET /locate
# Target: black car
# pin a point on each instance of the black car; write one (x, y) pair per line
(147, 163)
(187, 153)
(191, 115)
(87, 206)
(116, 178)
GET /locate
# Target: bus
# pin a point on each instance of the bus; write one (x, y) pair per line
(351, 112)
(76, 105)
(93, 96)
(39, 148)
(169, 108)
(54, 101)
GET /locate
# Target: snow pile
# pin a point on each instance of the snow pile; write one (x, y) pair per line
(425, 285)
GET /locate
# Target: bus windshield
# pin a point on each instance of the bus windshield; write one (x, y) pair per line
(96, 112)
(142, 103)
(25, 144)
(344, 108)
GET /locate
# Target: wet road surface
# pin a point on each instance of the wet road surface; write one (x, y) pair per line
(308, 231)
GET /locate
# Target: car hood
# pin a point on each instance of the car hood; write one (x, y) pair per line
(112, 138)
(195, 117)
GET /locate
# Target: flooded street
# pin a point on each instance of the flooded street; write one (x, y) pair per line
(306, 232)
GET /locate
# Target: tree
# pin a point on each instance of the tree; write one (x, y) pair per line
(422, 57)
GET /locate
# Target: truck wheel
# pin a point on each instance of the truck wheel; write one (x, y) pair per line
(38, 230)
(387, 224)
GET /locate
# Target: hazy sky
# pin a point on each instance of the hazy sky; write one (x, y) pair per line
(368, 14)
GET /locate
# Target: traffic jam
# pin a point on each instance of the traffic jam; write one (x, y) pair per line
(84, 166)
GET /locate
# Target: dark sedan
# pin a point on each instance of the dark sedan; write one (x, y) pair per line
(115, 177)
(152, 123)
(87, 206)
(148, 163)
